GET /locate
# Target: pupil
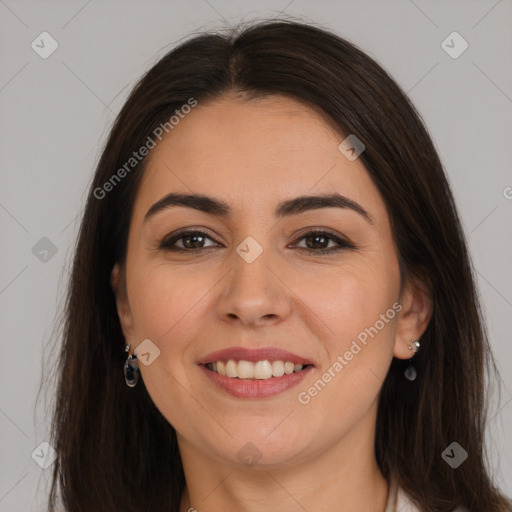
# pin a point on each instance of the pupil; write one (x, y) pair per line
(191, 237)
(315, 237)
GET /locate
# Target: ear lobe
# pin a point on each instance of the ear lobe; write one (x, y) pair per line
(414, 317)
(118, 284)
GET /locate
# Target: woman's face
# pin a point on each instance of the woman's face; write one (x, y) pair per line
(249, 283)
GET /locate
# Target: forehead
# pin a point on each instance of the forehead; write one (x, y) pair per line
(267, 149)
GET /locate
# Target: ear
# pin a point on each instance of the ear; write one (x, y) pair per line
(414, 316)
(118, 283)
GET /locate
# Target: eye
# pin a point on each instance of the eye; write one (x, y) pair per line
(322, 238)
(191, 241)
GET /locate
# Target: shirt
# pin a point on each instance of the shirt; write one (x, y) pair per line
(398, 499)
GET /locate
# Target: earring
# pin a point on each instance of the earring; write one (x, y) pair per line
(411, 372)
(131, 369)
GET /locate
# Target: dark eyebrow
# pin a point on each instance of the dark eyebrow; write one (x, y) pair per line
(304, 203)
(289, 207)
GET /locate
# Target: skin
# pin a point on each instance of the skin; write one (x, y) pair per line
(253, 155)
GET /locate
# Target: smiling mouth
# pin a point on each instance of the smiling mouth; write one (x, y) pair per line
(260, 370)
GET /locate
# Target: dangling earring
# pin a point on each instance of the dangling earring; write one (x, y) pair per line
(131, 369)
(411, 373)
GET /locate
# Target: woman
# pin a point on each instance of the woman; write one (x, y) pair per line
(271, 252)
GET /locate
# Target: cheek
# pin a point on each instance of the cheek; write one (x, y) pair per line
(165, 307)
(160, 300)
(357, 346)
(347, 300)
(358, 312)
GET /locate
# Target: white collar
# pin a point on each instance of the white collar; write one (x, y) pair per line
(398, 499)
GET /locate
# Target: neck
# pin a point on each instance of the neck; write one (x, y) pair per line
(343, 477)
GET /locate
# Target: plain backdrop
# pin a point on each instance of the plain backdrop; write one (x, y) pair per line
(56, 112)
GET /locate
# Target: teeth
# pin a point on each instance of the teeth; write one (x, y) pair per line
(261, 370)
(231, 369)
(277, 368)
(288, 368)
(245, 370)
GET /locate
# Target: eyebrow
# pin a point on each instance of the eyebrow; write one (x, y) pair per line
(286, 208)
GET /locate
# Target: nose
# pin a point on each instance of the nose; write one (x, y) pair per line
(254, 294)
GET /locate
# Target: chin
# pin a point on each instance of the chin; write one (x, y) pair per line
(271, 450)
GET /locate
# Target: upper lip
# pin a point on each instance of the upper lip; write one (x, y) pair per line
(254, 355)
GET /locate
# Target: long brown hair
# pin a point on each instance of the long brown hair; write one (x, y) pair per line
(116, 452)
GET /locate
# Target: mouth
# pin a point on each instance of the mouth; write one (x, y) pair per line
(260, 370)
(255, 373)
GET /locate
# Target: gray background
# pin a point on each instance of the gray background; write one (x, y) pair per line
(56, 112)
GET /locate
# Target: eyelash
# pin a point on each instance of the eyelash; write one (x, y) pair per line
(167, 244)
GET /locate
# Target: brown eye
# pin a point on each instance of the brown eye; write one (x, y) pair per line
(191, 241)
(317, 242)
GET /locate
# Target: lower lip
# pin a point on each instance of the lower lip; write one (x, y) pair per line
(256, 388)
